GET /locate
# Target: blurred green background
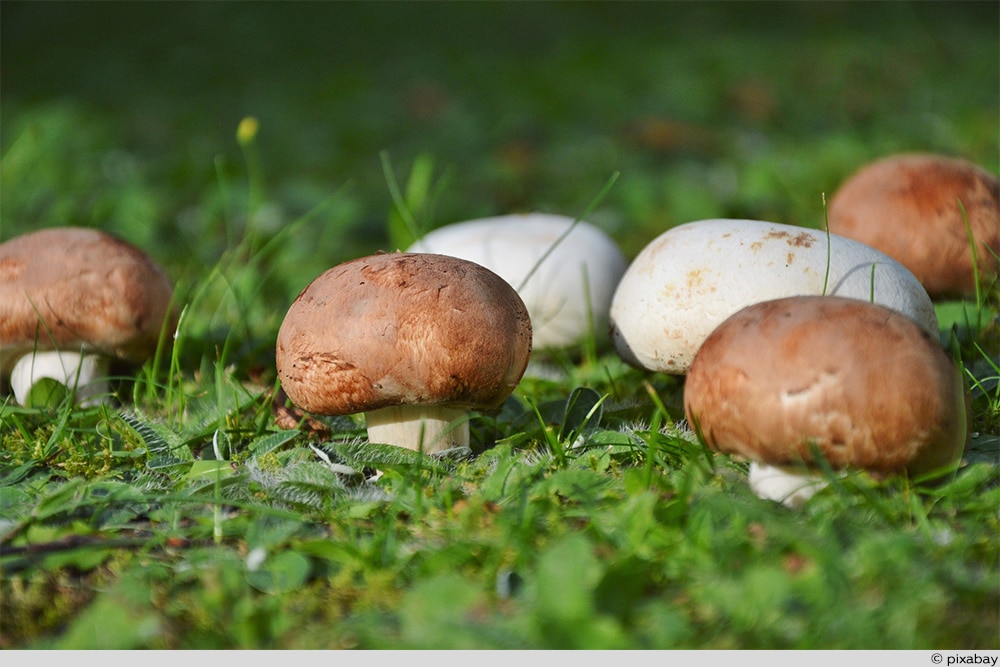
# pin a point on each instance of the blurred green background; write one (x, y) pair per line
(123, 116)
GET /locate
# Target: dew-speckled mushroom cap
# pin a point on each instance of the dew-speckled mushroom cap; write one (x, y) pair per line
(907, 207)
(403, 329)
(862, 383)
(69, 288)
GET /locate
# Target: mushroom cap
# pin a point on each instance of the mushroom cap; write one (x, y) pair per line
(862, 383)
(690, 278)
(403, 329)
(569, 293)
(907, 207)
(68, 288)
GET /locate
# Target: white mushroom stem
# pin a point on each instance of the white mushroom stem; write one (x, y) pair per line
(85, 373)
(790, 486)
(419, 427)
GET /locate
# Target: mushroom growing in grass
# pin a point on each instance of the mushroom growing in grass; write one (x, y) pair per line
(690, 278)
(413, 341)
(72, 300)
(790, 382)
(910, 207)
(565, 270)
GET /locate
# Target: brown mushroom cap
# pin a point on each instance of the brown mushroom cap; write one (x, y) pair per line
(907, 207)
(70, 288)
(863, 384)
(403, 329)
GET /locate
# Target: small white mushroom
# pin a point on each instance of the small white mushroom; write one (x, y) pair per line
(564, 270)
(72, 300)
(692, 277)
(783, 382)
(910, 206)
(414, 341)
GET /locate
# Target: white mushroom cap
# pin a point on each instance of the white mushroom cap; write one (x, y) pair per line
(692, 277)
(860, 384)
(78, 290)
(568, 294)
(907, 206)
(424, 337)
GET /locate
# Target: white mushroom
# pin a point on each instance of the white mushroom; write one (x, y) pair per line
(71, 300)
(783, 382)
(564, 270)
(690, 278)
(413, 341)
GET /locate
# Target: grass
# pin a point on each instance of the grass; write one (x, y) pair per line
(586, 515)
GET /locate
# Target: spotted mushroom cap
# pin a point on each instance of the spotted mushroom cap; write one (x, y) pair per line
(690, 278)
(862, 383)
(69, 288)
(907, 207)
(403, 329)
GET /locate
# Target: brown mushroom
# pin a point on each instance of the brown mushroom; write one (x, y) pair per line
(786, 381)
(413, 341)
(907, 206)
(71, 300)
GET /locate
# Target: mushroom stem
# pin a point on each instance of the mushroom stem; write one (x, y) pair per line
(419, 427)
(791, 486)
(86, 374)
